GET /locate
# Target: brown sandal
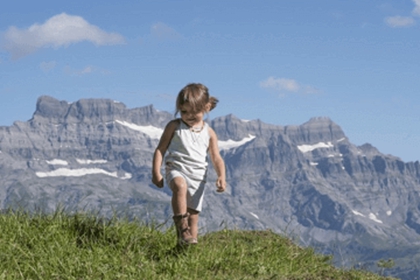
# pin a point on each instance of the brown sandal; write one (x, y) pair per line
(183, 230)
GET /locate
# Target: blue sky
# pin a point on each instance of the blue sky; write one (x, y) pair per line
(282, 62)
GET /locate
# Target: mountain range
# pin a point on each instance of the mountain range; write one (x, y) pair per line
(306, 181)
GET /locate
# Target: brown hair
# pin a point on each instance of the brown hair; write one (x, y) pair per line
(197, 95)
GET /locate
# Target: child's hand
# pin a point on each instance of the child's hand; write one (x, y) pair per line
(220, 184)
(157, 180)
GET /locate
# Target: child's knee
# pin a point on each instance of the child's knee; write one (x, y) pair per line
(178, 184)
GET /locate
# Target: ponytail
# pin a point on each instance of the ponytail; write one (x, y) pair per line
(213, 102)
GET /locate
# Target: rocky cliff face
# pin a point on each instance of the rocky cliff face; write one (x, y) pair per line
(307, 181)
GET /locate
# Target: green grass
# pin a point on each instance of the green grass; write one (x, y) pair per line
(82, 246)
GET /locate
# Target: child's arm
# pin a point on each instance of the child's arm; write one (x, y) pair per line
(217, 160)
(160, 151)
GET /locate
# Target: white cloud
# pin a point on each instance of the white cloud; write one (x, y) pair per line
(280, 84)
(400, 21)
(285, 85)
(404, 21)
(162, 31)
(310, 90)
(85, 71)
(47, 66)
(416, 10)
(58, 31)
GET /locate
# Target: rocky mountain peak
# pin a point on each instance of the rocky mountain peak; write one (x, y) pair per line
(319, 119)
(49, 109)
(95, 110)
(232, 127)
(368, 149)
(317, 129)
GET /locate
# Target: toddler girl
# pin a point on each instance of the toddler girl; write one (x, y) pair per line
(187, 141)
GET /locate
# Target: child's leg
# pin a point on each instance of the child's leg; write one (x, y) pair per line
(179, 195)
(179, 207)
(193, 222)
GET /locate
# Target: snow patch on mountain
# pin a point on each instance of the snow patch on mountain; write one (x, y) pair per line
(57, 162)
(371, 216)
(66, 172)
(374, 218)
(310, 148)
(357, 213)
(255, 215)
(88, 161)
(152, 131)
(229, 144)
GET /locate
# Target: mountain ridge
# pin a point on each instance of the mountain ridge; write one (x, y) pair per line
(308, 179)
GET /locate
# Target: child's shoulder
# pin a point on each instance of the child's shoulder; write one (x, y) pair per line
(172, 125)
(211, 131)
(174, 122)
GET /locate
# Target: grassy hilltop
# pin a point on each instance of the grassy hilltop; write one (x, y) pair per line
(81, 246)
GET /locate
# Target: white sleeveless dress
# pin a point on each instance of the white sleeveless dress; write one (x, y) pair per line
(187, 157)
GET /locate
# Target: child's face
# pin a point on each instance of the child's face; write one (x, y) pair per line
(190, 117)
